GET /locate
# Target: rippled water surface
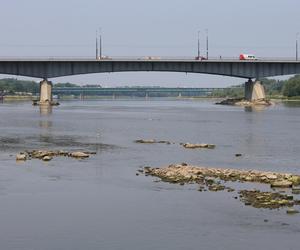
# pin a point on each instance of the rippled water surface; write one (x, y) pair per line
(100, 203)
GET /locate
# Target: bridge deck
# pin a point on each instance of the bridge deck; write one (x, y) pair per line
(56, 67)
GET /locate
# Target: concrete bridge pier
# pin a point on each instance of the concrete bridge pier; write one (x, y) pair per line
(254, 91)
(46, 93)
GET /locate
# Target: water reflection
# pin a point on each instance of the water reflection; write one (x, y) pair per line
(45, 124)
(45, 109)
(292, 104)
(255, 108)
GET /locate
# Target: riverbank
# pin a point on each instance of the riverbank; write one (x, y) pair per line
(9, 98)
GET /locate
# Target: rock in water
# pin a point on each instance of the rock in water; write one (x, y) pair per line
(271, 176)
(292, 211)
(47, 158)
(21, 157)
(282, 184)
(79, 154)
(198, 145)
(145, 141)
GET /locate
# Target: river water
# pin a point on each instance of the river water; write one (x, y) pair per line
(100, 203)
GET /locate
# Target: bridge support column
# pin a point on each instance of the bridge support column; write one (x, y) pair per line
(46, 94)
(254, 91)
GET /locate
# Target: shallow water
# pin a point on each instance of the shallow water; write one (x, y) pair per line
(99, 203)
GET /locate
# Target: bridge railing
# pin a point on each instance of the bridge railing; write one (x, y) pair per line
(143, 58)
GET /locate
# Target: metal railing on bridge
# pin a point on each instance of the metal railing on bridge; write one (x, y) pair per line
(142, 58)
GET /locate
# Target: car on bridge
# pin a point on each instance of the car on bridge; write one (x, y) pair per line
(247, 57)
(200, 58)
(151, 58)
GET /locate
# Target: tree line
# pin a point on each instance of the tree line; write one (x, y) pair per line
(286, 88)
(273, 88)
(12, 86)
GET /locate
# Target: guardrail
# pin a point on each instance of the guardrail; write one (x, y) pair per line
(143, 58)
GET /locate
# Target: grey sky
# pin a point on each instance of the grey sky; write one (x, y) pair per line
(266, 28)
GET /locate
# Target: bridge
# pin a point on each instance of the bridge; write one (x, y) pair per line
(57, 67)
(133, 91)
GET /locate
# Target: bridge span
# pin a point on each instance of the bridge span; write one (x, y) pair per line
(133, 91)
(57, 67)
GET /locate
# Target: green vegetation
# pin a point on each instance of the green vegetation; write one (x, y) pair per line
(13, 86)
(65, 85)
(233, 92)
(292, 87)
(274, 88)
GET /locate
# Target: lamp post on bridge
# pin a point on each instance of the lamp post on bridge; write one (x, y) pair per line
(198, 44)
(96, 45)
(206, 43)
(297, 46)
(100, 43)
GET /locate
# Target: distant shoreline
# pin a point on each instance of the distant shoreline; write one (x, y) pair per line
(10, 98)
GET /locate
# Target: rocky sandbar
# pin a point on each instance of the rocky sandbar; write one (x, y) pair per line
(47, 155)
(188, 173)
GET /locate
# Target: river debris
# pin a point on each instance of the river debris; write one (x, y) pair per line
(47, 155)
(198, 145)
(271, 200)
(185, 145)
(151, 141)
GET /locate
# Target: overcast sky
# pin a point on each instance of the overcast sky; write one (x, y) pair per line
(266, 28)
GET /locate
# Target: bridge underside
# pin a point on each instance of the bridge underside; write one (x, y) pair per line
(46, 69)
(57, 68)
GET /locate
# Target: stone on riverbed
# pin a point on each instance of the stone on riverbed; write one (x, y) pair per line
(198, 145)
(271, 176)
(151, 141)
(47, 155)
(269, 200)
(47, 158)
(296, 190)
(21, 157)
(180, 172)
(295, 180)
(145, 141)
(282, 184)
(79, 154)
(245, 103)
(292, 211)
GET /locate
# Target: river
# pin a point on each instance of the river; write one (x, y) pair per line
(100, 202)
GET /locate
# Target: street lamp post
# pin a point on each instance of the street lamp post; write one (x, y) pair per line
(100, 43)
(198, 44)
(96, 44)
(206, 43)
(297, 46)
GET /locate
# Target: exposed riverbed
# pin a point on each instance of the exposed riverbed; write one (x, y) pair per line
(100, 203)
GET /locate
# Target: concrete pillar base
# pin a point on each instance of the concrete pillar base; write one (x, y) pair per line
(254, 91)
(45, 94)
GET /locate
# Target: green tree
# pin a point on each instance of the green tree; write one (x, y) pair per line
(292, 87)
